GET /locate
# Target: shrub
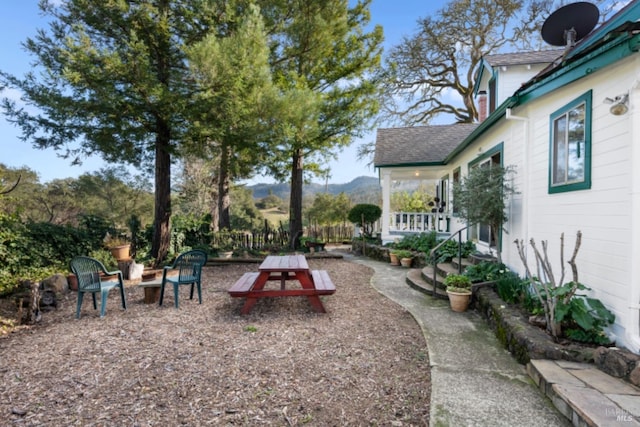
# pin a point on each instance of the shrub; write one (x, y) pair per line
(422, 242)
(365, 215)
(486, 271)
(512, 288)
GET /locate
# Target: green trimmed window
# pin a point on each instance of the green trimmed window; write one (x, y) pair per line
(570, 146)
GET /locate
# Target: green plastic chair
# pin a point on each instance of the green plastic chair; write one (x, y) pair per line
(189, 265)
(88, 270)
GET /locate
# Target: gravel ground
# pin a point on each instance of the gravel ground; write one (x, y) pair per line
(364, 362)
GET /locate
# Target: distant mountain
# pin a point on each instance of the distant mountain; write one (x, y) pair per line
(364, 189)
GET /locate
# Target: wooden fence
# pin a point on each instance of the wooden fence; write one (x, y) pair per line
(269, 237)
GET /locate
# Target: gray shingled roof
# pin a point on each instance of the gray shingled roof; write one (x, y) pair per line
(522, 58)
(418, 144)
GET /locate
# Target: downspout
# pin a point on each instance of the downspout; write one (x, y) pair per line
(525, 172)
(632, 321)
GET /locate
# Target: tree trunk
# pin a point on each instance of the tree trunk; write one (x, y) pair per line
(162, 218)
(214, 208)
(295, 200)
(496, 236)
(224, 201)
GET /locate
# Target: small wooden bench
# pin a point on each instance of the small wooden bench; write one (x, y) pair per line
(243, 286)
(151, 290)
(322, 282)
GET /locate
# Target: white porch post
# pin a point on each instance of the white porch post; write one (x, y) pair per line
(386, 204)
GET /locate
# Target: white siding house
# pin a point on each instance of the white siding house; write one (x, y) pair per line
(577, 164)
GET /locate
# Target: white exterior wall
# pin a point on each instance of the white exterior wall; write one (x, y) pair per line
(511, 77)
(603, 213)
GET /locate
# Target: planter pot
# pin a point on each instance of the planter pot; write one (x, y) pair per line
(459, 301)
(225, 254)
(406, 262)
(72, 280)
(394, 259)
(121, 253)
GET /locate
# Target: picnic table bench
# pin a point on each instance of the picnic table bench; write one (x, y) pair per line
(313, 284)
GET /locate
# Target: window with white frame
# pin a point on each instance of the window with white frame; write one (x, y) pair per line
(570, 146)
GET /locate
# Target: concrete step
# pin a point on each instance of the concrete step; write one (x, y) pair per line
(415, 279)
(586, 395)
(464, 262)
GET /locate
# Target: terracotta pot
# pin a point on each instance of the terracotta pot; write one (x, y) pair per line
(394, 259)
(121, 253)
(459, 301)
(406, 262)
(72, 280)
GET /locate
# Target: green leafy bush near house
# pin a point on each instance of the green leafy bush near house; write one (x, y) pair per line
(486, 271)
(582, 318)
(422, 242)
(449, 250)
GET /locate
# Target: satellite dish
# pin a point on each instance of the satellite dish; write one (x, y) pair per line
(570, 23)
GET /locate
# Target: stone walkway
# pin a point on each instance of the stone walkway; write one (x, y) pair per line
(476, 382)
(585, 394)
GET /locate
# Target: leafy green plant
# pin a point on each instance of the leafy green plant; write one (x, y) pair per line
(583, 318)
(449, 250)
(485, 271)
(422, 242)
(511, 288)
(580, 316)
(402, 253)
(457, 283)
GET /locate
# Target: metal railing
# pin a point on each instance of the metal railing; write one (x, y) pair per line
(434, 259)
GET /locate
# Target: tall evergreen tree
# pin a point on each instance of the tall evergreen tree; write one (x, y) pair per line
(234, 73)
(114, 81)
(322, 60)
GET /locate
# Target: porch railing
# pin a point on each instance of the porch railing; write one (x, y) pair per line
(419, 222)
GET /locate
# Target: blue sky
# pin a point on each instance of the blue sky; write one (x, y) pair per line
(20, 19)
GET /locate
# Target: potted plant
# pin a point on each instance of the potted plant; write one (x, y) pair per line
(405, 257)
(119, 246)
(393, 257)
(459, 291)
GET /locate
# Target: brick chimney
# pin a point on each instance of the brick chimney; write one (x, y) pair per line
(482, 105)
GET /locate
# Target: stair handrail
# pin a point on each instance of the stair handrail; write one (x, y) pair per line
(433, 251)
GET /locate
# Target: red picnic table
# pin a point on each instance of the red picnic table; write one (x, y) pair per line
(283, 268)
